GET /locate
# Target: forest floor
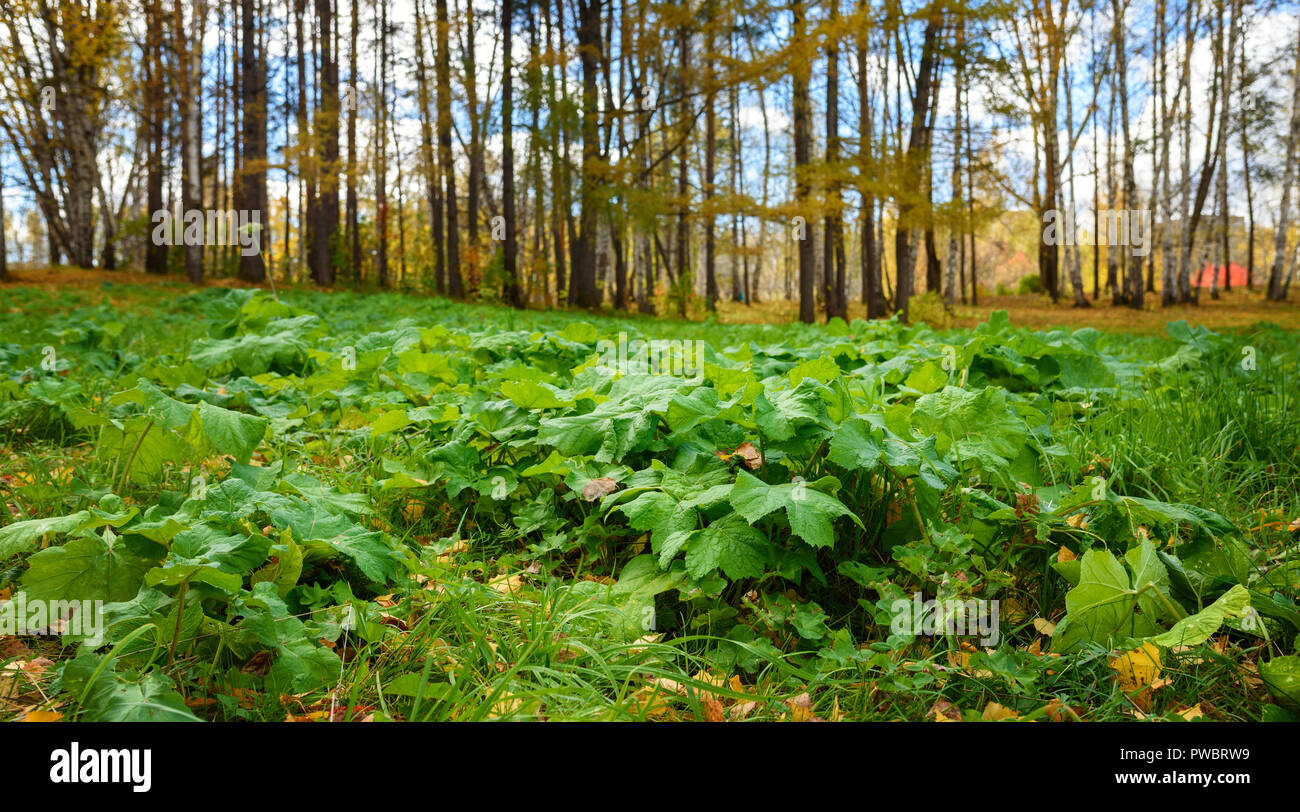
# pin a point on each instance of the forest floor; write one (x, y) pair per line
(1233, 310)
(381, 506)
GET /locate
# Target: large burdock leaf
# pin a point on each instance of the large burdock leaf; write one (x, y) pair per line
(535, 395)
(669, 523)
(810, 511)
(108, 697)
(857, 445)
(86, 568)
(634, 594)
(21, 536)
(232, 433)
(300, 664)
(982, 425)
(730, 544)
(1101, 606)
(1282, 677)
(1197, 628)
(779, 414)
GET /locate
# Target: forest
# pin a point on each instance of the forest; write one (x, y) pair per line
(661, 156)
(720, 360)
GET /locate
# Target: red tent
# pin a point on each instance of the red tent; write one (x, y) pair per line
(1236, 273)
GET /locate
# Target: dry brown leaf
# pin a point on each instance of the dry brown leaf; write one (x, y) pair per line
(1056, 711)
(652, 701)
(1044, 627)
(1194, 712)
(751, 456)
(943, 711)
(12, 647)
(801, 708)
(1012, 611)
(1064, 554)
(713, 710)
(598, 487)
(394, 621)
(258, 665)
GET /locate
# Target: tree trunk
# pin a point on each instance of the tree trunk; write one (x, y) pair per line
(455, 287)
(872, 295)
(189, 67)
(354, 234)
(1276, 276)
(710, 146)
(381, 147)
(513, 289)
(428, 155)
(833, 239)
(327, 131)
(801, 70)
(1203, 186)
(914, 161)
(155, 258)
(252, 267)
(583, 282)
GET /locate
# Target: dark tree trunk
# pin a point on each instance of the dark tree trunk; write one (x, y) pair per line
(155, 258)
(455, 287)
(583, 282)
(914, 161)
(354, 235)
(327, 131)
(513, 289)
(802, 104)
(252, 268)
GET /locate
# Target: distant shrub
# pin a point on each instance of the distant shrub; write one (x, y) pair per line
(929, 307)
(1030, 284)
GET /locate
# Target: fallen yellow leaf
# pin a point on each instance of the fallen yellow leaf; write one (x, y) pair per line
(41, 716)
(993, 712)
(1138, 668)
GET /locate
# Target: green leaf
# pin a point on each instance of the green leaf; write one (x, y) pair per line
(926, 378)
(1281, 676)
(533, 395)
(809, 511)
(1101, 606)
(1196, 629)
(285, 570)
(232, 433)
(856, 445)
(634, 594)
(112, 698)
(22, 536)
(731, 544)
(670, 524)
(389, 421)
(85, 568)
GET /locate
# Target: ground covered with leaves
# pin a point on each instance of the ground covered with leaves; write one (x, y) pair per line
(380, 507)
